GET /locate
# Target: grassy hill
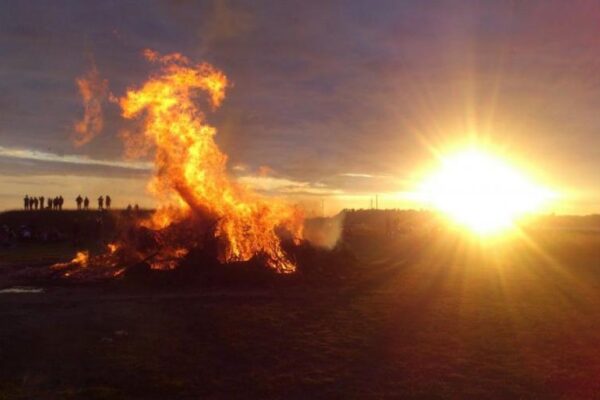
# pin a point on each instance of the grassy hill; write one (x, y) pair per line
(51, 236)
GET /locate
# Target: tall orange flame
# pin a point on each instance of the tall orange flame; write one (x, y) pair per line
(190, 169)
(93, 91)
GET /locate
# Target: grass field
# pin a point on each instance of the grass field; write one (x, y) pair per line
(438, 316)
(77, 230)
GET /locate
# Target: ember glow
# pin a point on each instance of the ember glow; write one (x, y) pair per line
(190, 175)
(112, 247)
(81, 260)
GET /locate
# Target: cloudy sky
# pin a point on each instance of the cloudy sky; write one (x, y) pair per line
(339, 100)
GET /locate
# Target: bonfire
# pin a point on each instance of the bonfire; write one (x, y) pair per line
(199, 204)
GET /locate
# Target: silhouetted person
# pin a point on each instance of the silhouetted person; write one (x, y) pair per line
(42, 202)
(79, 200)
(86, 203)
(108, 201)
(100, 203)
(35, 203)
(55, 203)
(136, 208)
(26, 202)
(49, 202)
(61, 201)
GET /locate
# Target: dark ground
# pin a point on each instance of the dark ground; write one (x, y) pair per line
(431, 315)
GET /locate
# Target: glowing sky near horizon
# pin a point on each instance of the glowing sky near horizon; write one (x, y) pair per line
(340, 101)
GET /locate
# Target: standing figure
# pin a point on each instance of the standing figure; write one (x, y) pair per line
(49, 202)
(60, 202)
(55, 203)
(42, 202)
(86, 203)
(35, 203)
(108, 201)
(79, 200)
(26, 202)
(100, 203)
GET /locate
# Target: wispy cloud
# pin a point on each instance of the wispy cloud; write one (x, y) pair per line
(35, 155)
(362, 175)
(355, 175)
(284, 186)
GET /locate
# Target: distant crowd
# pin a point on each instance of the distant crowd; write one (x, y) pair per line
(41, 203)
(56, 203)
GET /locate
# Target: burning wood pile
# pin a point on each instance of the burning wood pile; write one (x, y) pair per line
(204, 218)
(146, 255)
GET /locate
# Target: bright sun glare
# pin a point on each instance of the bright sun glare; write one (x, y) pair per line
(481, 192)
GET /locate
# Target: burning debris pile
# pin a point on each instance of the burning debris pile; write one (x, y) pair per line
(200, 208)
(146, 256)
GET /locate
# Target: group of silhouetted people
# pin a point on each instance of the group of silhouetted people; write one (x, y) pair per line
(84, 203)
(42, 203)
(56, 203)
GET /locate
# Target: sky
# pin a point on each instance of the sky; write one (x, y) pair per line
(336, 100)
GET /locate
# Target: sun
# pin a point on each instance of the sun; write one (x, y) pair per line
(481, 191)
